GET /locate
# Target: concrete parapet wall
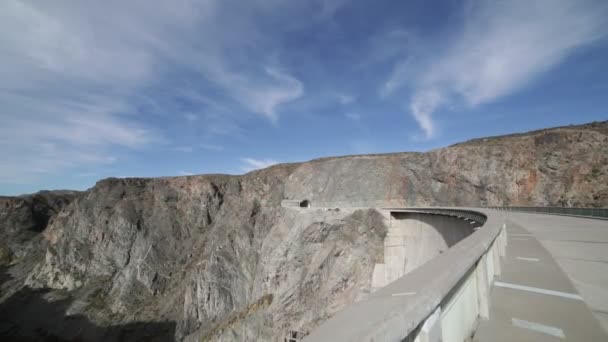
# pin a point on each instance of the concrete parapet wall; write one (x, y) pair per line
(414, 238)
(471, 300)
(598, 213)
(443, 297)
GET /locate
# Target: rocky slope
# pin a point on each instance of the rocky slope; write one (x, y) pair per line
(566, 166)
(23, 217)
(217, 258)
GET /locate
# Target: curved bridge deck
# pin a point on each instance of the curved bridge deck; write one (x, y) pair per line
(554, 281)
(521, 277)
(534, 299)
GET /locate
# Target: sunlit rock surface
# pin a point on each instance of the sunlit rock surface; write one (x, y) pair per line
(216, 257)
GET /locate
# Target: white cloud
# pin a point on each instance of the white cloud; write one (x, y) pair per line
(211, 147)
(345, 99)
(423, 104)
(330, 7)
(204, 146)
(191, 117)
(503, 46)
(87, 175)
(265, 99)
(185, 149)
(75, 75)
(353, 116)
(185, 173)
(399, 76)
(29, 162)
(60, 135)
(250, 164)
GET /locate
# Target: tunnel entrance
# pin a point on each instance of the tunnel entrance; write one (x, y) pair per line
(295, 336)
(305, 204)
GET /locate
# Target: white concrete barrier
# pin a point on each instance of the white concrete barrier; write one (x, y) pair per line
(440, 301)
(413, 239)
(471, 300)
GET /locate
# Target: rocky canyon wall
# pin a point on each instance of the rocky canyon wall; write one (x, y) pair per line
(216, 257)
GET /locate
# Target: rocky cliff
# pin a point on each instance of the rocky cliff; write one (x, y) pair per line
(216, 257)
(566, 166)
(23, 217)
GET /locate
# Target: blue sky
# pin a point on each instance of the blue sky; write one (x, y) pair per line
(94, 89)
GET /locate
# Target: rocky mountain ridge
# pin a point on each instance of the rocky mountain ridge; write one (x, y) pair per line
(216, 257)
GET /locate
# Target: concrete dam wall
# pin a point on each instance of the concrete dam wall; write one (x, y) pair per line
(414, 238)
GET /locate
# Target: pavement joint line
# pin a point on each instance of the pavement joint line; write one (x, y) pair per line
(585, 260)
(538, 290)
(398, 294)
(527, 259)
(576, 241)
(541, 328)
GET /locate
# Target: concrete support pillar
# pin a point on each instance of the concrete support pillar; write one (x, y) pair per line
(495, 253)
(483, 287)
(503, 241)
(378, 277)
(489, 257)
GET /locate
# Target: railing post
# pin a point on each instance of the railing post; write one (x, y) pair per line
(483, 293)
(496, 257)
(431, 329)
(503, 240)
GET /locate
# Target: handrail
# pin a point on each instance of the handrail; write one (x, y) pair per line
(399, 310)
(569, 211)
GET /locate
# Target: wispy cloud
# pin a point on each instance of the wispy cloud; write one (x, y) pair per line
(353, 116)
(422, 105)
(264, 98)
(63, 134)
(185, 173)
(191, 117)
(211, 147)
(87, 175)
(26, 163)
(185, 149)
(89, 78)
(203, 146)
(502, 47)
(345, 99)
(330, 7)
(250, 164)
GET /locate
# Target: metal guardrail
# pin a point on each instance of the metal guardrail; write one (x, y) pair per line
(587, 212)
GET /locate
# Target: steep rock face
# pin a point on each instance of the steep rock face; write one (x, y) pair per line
(222, 259)
(23, 217)
(565, 166)
(200, 250)
(310, 266)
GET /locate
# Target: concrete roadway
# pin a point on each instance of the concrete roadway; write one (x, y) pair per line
(554, 281)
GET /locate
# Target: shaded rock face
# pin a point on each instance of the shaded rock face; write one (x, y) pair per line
(220, 260)
(22, 247)
(45, 310)
(216, 254)
(32, 212)
(23, 217)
